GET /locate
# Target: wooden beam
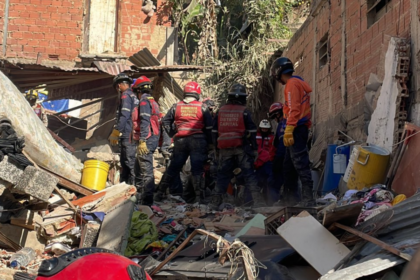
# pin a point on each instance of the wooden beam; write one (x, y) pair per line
(70, 184)
(375, 241)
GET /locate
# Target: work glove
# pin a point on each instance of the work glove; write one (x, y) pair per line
(288, 136)
(113, 138)
(142, 148)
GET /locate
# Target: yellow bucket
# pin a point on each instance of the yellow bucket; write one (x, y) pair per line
(369, 168)
(95, 174)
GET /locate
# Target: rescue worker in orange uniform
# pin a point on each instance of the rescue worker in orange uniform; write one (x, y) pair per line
(234, 132)
(146, 133)
(297, 112)
(192, 138)
(263, 164)
(122, 132)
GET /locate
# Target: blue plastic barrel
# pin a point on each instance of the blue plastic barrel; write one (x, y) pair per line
(331, 180)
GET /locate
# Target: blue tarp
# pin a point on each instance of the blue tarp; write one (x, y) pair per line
(56, 105)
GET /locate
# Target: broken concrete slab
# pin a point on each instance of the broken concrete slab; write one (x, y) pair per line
(89, 235)
(115, 228)
(58, 222)
(10, 172)
(106, 199)
(106, 148)
(36, 183)
(313, 242)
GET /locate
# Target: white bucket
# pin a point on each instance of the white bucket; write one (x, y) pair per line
(339, 163)
(353, 157)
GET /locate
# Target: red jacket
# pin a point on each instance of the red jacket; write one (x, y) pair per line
(265, 147)
(231, 126)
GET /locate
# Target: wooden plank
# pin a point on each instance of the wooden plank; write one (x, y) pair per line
(172, 244)
(375, 241)
(70, 184)
(170, 50)
(313, 242)
(347, 215)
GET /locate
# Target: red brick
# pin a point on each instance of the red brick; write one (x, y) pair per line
(39, 50)
(58, 36)
(52, 9)
(13, 14)
(27, 48)
(46, 15)
(72, 24)
(62, 10)
(67, 3)
(77, 17)
(44, 43)
(49, 36)
(56, 16)
(34, 15)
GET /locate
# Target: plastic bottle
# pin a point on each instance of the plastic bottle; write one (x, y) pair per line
(22, 257)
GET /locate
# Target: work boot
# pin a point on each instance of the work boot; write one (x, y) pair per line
(307, 198)
(215, 202)
(163, 186)
(200, 189)
(258, 199)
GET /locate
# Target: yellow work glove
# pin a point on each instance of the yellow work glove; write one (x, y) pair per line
(113, 138)
(288, 136)
(142, 148)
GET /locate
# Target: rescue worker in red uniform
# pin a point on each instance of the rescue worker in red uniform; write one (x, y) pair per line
(263, 164)
(297, 113)
(235, 132)
(146, 132)
(192, 137)
(122, 132)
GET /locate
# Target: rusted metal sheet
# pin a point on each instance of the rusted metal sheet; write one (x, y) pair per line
(112, 68)
(102, 26)
(407, 178)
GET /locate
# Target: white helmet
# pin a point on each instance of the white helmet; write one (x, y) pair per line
(265, 124)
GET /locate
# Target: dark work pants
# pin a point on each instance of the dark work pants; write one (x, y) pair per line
(296, 165)
(127, 160)
(145, 179)
(265, 182)
(229, 159)
(195, 147)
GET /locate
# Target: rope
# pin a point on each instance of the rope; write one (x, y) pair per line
(406, 138)
(83, 129)
(239, 253)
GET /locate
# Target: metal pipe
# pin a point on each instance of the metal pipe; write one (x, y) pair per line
(5, 26)
(84, 105)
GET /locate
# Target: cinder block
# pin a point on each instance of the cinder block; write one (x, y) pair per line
(89, 235)
(10, 172)
(36, 183)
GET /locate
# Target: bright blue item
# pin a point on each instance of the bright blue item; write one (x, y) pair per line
(56, 105)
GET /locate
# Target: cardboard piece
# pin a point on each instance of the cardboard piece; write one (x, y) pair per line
(313, 242)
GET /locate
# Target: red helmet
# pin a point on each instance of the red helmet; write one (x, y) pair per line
(91, 263)
(275, 108)
(192, 87)
(142, 83)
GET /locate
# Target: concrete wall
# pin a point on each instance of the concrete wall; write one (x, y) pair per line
(355, 51)
(54, 29)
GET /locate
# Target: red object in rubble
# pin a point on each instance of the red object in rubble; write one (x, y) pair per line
(91, 263)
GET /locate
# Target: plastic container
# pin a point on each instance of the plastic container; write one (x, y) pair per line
(369, 168)
(354, 155)
(331, 179)
(95, 174)
(22, 257)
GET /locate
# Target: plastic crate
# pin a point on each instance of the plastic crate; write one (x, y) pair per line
(275, 220)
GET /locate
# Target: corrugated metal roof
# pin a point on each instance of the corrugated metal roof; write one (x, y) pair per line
(170, 68)
(64, 66)
(144, 60)
(398, 226)
(111, 68)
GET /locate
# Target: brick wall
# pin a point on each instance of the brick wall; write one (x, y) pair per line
(45, 27)
(48, 28)
(364, 52)
(138, 31)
